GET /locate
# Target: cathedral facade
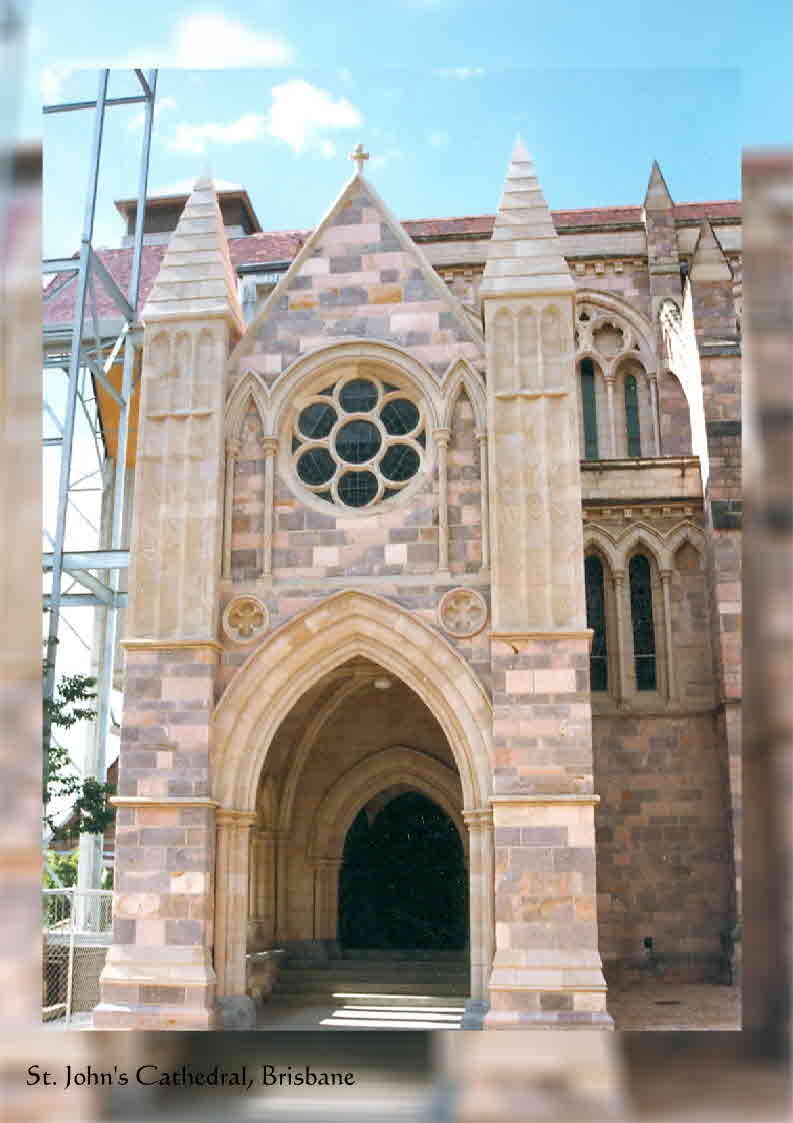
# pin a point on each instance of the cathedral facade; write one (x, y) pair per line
(448, 510)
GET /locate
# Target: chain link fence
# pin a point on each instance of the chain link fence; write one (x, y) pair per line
(76, 933)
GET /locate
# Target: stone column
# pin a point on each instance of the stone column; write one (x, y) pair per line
(482, 439)
(480, 887)
(232, 449)
(623, 649)
(231, 925)
(270, 447)
(326, 895)
(441, 438)
(546, 968)
(610, 378)
(653, 380)
(669, 662)
(262, 891)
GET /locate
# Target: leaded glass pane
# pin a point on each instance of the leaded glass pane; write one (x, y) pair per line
(316, 420)
(400, 463)
(315, 467)
(358, 396)
(399, 416)
(356, 489)
(589, 409)
(596, 620)
(642, 620)
(632, 417)
(358, 441)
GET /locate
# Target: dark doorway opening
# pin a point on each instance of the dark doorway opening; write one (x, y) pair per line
(403, 882)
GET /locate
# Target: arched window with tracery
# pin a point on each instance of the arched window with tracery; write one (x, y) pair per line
(596, 620)
(643, 624)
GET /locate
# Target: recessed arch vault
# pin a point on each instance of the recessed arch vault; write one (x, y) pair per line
(376, 773)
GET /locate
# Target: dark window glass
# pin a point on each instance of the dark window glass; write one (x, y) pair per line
(642, 620)
(358, 441)
(400, 463)
(389, 389)
(295, 444)
(632, 417)
(356, 489)
(596, 620)
(399, 417)
(316, 420)
(590, 411)
(315, 467)
(358, 396)
(422, 439)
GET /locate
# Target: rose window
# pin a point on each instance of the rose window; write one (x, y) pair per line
(358, 441)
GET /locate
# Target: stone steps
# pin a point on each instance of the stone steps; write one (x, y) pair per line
(377, 978)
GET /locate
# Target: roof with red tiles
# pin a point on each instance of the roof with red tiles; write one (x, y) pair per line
(283, 245)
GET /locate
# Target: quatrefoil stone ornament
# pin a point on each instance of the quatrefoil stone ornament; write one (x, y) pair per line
(462, 612)
(245, 618)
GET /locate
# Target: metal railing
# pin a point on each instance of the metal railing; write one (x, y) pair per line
(76, 933)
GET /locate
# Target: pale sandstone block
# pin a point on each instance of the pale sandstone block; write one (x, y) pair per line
(521, 682)
(396, 554)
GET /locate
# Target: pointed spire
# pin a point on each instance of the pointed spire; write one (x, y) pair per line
(525, 253)
(709, 263)
(657, 197)
(196, 278)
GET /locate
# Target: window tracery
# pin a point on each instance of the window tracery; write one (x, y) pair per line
(358, 440)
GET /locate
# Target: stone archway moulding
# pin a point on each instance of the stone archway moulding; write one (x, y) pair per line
(303, 650)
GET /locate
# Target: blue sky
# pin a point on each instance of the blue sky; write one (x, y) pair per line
(435, 89)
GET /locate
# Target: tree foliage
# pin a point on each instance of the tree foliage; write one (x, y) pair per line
(73, 701)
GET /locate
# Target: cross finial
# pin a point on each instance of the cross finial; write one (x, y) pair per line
(359, 155)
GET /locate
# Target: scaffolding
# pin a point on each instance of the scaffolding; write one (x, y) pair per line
(86, 353)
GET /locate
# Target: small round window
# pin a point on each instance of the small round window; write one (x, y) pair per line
(358, 441)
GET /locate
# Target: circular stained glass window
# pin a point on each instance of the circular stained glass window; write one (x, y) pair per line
(351, 460)
(356, 489)
(358, 441)
(316, 420)
(400, 416)
(316, 466)
(401, 462)
(358, 396)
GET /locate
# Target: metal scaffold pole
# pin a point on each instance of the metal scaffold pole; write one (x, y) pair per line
(92, 356)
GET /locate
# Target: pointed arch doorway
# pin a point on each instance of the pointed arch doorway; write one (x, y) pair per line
(259, 722)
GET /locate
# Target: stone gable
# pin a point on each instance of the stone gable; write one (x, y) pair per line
(359, 276)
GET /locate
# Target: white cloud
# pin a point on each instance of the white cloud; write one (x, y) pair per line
(300, 115)
(160, 106)
(301, 111)
(194, 138)
(212, 41)
(461, 73)
(201, 40)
